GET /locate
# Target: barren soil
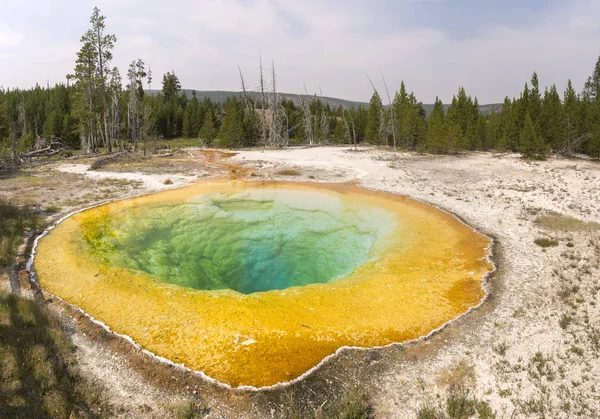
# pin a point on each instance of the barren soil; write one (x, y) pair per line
(532, 350)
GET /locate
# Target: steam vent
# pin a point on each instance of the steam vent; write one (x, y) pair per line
(255, 283)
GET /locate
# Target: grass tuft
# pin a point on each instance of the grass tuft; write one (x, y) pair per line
(191, 410)
(427, 412)
(545, 242)
(356, 406)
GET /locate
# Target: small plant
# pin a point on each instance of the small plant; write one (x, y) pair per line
(191, 410)
(565, 292)
(500, 348)
(459, 405)
(52, 209)
(545, 242)
(565, 320)
(484, 411)
(356, 406)
(539, 366)
(577, 350)
(427, 412)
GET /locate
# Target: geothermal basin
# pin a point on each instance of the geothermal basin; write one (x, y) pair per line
(255, 283)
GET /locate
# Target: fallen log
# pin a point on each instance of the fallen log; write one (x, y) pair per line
(45, 152)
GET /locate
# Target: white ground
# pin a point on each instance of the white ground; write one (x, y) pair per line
(150, 181)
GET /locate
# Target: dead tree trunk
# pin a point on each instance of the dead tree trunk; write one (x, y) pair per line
(307, 117)
(14, 143)
(263, 123)
(382, 124)
(351, 138)
(392, 119)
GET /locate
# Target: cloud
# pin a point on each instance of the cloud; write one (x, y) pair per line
(8, 37)
(329, 45)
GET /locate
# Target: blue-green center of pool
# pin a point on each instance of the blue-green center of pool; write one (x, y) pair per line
(254, 241)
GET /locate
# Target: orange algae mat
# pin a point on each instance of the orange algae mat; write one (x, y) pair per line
(274, 279)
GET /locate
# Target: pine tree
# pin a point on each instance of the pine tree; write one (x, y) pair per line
(435, 139)
(469, 141)
(521, 107)
(102, 45)
(400, 114)
(374, 121)
(187, 125)
(532, 144)
(492, 130)
(250, 127)
(509, 125)
(535, 100)
(502, 143)
(551, 119)
(208, 131)
(480, 139)
(87, 96)
(339, 132)
(135, 107)
(170, 86)
(591, 89)
(593, 144)
(232, 130)
(463, 112)
(415, 123)
(455, 136)
(571, 107)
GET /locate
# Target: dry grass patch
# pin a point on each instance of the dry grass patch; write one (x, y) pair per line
(288, 172)
(554, 221)
(38, 378)
(13, 222)
(545, 242)
(460, 376)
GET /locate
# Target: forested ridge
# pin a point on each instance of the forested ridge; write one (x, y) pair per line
(96, 109)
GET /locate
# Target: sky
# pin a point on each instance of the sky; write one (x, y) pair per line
(490, 47)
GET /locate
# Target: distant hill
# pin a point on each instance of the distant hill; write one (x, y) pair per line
(220, 96)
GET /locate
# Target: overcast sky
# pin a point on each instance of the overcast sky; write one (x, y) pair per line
(490, 47)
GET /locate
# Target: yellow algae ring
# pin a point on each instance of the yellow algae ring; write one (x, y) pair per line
(255, 283)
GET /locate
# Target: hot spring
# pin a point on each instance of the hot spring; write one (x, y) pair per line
(254, 283)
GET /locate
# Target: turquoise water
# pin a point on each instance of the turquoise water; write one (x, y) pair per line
(257, 240)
